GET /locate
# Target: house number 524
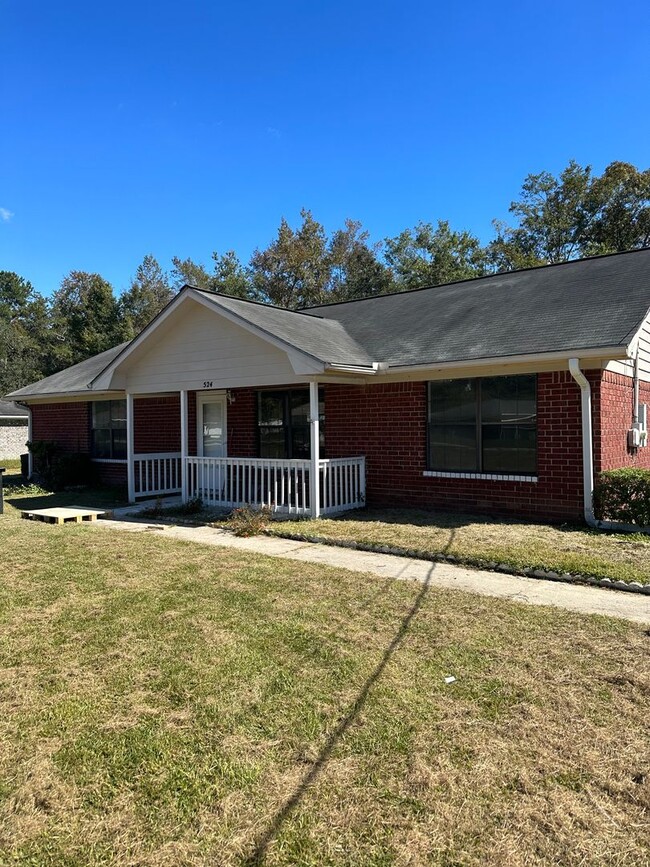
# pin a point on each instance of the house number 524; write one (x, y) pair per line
(207, 383)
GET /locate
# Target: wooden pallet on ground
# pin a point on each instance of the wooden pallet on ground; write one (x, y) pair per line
(71, 515)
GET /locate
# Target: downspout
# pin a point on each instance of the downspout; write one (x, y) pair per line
(587, 446)
(636, 387)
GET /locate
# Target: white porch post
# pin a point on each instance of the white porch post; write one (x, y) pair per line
(184, 479)
(314, 488)
(130, 465)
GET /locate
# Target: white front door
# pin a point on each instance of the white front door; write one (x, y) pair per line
(211, 427)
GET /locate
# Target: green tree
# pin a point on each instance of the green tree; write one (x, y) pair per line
(20, 360)
(355, 268)
(428, 256)
(190, 273)
(294, 270)
(16, 293)
(622, 220)
(554, 215)
(230, 276)
(575, 214)
(24, 332)
(148, 293)
(85, 317)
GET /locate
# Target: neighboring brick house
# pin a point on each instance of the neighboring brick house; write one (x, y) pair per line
(13, 430)
(502, 394)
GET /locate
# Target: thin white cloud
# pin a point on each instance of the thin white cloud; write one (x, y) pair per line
(5, 215)
(273, 132)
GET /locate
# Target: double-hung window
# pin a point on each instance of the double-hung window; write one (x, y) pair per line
(483, 425)
(283, 423)
(108, 429)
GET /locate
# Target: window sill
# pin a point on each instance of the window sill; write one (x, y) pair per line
(489, 477)
(109, 460)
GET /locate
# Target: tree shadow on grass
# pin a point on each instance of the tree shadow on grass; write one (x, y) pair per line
(100, 497)
(258, 855)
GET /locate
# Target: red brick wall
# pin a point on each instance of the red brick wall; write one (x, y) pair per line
(242, 423)
(67, 424)
(157, 424)
(613, 416)
(387, 424)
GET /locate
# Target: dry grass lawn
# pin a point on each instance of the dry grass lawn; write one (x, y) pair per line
(170, 704)
(518, 544)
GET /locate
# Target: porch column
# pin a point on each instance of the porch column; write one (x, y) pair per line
(184, 479)
(130, 464)
(314, 488)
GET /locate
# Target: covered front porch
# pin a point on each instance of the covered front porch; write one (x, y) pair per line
(202, 468)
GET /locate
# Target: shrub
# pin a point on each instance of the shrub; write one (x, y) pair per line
(58, 469)
(191, 507)
(623, 495)
(249, 521)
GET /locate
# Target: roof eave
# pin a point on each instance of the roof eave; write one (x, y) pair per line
(611, 353)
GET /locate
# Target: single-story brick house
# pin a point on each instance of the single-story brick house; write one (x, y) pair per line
(13, 430)
(500, 394)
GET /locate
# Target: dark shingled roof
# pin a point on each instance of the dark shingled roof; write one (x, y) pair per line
(75, 378)
(8, 409)
(585, 304)
(322, 338)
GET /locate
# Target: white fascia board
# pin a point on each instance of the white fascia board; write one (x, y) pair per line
(70, 396)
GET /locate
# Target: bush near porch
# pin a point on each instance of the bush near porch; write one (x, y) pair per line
(483, 540)
(163, 703)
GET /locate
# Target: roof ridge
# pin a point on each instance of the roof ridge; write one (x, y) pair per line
(476, 279)
(301, 311)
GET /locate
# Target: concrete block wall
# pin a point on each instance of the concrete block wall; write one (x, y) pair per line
(13, 438)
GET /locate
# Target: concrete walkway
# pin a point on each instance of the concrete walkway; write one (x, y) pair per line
(573, 597)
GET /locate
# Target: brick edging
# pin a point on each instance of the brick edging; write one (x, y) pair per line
(474, 563)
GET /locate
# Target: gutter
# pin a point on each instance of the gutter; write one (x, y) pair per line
(588, 459)
(377, 367)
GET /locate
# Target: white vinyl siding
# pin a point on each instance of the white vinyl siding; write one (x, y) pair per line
(201, 349)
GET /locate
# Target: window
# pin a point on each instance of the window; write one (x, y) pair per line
(486, 425)
(108, 430)
(283, 423)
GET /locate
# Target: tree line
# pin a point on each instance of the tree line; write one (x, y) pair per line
(555, 218)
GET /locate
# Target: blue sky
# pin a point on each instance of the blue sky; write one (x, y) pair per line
(183, 128)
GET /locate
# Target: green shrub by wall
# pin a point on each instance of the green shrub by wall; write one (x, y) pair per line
(623, 495)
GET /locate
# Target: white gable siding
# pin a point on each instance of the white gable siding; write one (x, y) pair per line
(199, 346)
(627, 367)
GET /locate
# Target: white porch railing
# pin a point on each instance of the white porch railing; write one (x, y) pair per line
(283, 485)
(157, 474)
(342, 484)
